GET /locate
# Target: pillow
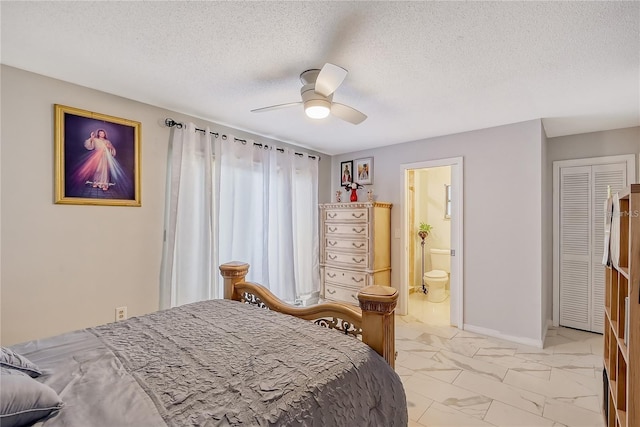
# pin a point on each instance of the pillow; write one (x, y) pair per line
(11, 359)
(24, 400)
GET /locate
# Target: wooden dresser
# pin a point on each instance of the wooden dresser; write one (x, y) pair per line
(355, 248)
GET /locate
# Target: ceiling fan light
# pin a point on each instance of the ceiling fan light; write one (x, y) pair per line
(317, 108)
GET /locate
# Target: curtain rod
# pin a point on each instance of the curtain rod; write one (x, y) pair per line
(169, 122)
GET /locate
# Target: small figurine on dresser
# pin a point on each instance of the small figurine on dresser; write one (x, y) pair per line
(354, 187)
(338, 196)
(370, 194)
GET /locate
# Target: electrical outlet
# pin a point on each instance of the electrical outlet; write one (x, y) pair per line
(121, 313)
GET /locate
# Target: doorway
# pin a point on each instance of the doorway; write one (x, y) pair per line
(431, 259)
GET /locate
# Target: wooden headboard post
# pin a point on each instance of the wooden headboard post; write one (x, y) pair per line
(233, 272)
(378, 322)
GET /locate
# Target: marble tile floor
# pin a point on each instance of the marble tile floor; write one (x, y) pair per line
(457, 378)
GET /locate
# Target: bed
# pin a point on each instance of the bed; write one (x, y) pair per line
(246, 360)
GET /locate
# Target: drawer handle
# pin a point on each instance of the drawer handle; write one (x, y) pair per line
(331, 291)
(357, 246)
(358, 231)
(357, 280)
(358, 261)
(333, 230)
(354, 297)
(360, 215)
(332, 215)
(331, 275)
(332, 257)
(332, 242)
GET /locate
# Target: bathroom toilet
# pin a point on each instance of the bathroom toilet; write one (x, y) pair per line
(436, 280)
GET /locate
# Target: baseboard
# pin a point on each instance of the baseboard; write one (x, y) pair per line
(497, 334)
(546, 329)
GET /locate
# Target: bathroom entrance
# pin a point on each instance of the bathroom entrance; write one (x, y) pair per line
(431, 235)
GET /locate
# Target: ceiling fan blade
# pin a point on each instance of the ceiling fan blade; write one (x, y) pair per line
(276, 107)
(348, 114)
(330, 77)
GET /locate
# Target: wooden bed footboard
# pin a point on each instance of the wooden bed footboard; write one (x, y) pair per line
(374, 321)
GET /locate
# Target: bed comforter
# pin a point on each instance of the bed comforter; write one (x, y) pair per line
(217, 363)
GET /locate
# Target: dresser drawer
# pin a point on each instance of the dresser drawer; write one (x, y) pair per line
(341, 294)
(338, 215)
(354, 245)
(348, 278)
(353, 260)
(351, 230)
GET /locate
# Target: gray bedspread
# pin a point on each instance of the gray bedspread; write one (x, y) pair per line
(217, 363)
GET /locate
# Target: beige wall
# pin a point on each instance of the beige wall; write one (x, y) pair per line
(66, 267)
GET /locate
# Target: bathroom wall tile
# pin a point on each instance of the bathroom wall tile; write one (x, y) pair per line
(511, 395)
(442, 415)
(504, 415)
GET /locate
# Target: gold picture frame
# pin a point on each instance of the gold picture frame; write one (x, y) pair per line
(97, 158)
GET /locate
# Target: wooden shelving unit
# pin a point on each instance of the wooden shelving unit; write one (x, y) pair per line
(622, 361)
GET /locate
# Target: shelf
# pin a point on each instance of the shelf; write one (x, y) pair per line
(624, 271)
(613, 389)
(622, 361)
(622, 417)
(623, 350)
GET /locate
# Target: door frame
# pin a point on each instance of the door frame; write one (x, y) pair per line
(630, 159)
(457, 220)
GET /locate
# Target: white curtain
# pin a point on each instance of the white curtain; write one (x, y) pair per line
(268, 216)
(188, 266)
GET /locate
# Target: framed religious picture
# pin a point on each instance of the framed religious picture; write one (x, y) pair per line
(97, 158)
(346, 173)
(363, 170)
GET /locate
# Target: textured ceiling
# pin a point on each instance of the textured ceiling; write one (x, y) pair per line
(417, 69)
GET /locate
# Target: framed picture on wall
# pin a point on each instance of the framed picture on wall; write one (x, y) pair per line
(97, 158)
(363, 170)
(346, 173)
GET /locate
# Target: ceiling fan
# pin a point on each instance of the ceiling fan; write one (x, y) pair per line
(317, 95)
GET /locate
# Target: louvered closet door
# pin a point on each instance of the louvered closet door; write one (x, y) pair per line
(614, 175)
(583, 190)
(575, 243)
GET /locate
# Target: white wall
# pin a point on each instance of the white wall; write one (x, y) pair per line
(66, 267)
(502, 221)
